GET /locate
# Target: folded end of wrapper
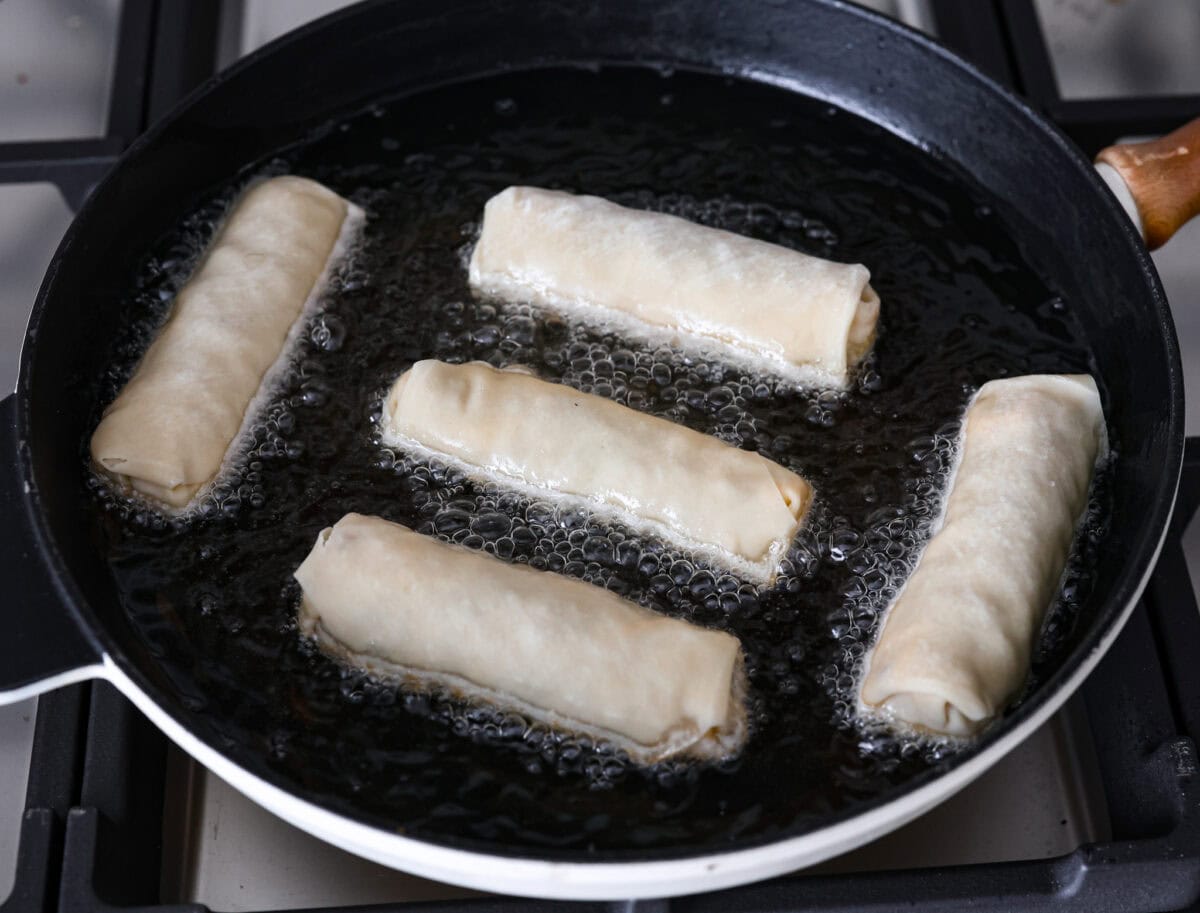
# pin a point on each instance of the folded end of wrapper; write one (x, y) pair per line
(395, 396)
(861, 336)
(302, 572)
(796, 493)
(507, 198)
(925, 714)
(715, 743)
(919, 702)
(139, 479)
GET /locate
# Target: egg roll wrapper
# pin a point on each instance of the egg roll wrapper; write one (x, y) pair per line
(567, 652)
(802, 317)
(167, 434)
(957, 643)
(731, 506)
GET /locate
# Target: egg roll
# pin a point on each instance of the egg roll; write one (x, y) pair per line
(402, 605)
(769, 307)
(169, 431)
(956, 644)
(731, 506)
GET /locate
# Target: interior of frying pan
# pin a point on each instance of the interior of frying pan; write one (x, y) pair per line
(812, 125)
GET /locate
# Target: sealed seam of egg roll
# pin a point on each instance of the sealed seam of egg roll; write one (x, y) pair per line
(170, 431)
(957, 643)
(801, 317)
(565, 652)
(731, 506)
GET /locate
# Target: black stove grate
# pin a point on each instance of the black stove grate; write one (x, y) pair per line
(165, 48)
(1005, 39)
(91, 838)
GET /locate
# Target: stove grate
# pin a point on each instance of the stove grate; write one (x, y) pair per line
(91, 838)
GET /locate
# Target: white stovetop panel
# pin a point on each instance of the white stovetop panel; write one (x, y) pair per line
(238, 857)
(16, 740)
(1102, 48)
(55, 67)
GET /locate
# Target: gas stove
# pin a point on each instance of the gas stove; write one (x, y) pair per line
(1098, 811)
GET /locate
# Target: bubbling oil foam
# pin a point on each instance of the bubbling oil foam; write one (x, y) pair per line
(879, 557)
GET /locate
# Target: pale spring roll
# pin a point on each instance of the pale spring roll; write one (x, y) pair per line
(168, 432)
(559, 650)
(801, 317)
(731, 506)
(956, 645)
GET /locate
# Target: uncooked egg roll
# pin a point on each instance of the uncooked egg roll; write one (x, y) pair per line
(956, 645)
(579, 657)
(168, 432)
(732, 506)
(802, 317)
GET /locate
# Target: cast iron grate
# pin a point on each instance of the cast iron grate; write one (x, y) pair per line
(164, 49)
(91, 835)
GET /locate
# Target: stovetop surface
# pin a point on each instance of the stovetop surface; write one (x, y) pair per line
(157, 828)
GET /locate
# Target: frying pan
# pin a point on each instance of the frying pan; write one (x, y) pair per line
(64, 621)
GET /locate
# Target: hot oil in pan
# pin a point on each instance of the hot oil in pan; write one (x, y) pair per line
(214, 601)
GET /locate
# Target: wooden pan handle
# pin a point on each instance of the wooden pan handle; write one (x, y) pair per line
(1163, 176)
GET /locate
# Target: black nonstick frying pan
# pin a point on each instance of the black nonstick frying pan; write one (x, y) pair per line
(994, 244)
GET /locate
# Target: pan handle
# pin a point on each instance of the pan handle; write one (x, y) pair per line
(1158, 181)
(42, 646)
